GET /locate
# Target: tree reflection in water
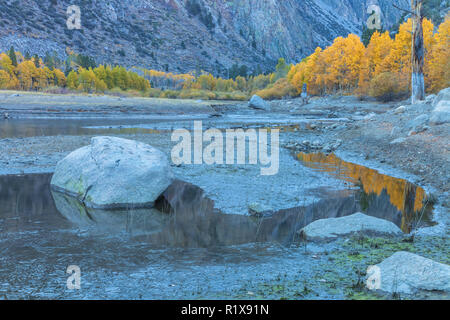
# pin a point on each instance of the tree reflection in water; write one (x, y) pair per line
(409, 199)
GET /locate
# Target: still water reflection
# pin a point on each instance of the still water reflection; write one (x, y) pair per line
(183, 217)
(409, 199)
(20, 128)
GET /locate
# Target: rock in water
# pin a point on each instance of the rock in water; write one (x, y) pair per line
(405, 272)
(114, 173)
(441, 112)
(358, 223)
(257, 102)
(258, 209)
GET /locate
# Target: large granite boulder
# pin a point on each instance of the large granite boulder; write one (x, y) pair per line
(405, 272)
(256, 102)
(441, 111)
(114, 173)
(358, 223)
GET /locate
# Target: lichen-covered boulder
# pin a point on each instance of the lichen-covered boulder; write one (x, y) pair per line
(114, 173)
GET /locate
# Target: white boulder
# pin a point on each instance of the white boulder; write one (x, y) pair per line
(399, 110)
(405, 272)
(114, 173)
(441, 111)
(257, 102)
(358, 223)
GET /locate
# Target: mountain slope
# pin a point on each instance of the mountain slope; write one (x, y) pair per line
(183, 35)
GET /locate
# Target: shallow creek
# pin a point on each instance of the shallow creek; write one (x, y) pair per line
(186, 247)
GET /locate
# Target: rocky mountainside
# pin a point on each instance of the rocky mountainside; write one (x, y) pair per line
(184, 35)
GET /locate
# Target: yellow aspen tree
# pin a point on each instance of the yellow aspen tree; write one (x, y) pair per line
(6, 63)
(27, 75)
(4, 79)
(437, 68)
(398, 62)
(241, 83)
(72, 81)
(306, 72)
(87, 80)
(379, 47)
(429, 43)
(45, 77)
(59, 78)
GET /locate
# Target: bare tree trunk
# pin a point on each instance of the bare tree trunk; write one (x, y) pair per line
(418, 54)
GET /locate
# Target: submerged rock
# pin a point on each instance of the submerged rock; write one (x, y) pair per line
(258, 209)
(405, 272)
(441, 111)
(114, 173)
(257, 102)
(358, 223)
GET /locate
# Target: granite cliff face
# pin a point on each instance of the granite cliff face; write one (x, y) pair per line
(183, 35)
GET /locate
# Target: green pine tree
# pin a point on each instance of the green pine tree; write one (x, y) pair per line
(36, 61)
(12, 56)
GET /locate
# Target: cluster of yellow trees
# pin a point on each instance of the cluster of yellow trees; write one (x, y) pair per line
(34, 75)
(383, 69)
(28, 75)
(169, 80)
(205, 85)
(105, 78)
(209, 82)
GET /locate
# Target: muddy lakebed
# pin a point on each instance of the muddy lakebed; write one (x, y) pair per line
(210, 247)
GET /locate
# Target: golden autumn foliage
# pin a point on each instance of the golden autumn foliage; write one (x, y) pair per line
(335, 69)
(378, 49)
(60, 78)
(27, 75)
(385, 87)
(437, 68)
(281, 88)
(205, 85)
(382, 69)
(33, 74)
(8, 79)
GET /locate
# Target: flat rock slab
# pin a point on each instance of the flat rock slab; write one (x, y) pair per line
(113, 173)
(358, 223)
(405, 272)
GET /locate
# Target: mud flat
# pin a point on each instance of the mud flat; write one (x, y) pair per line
(28, 105)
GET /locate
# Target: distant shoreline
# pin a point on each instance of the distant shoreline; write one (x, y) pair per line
(18, 104)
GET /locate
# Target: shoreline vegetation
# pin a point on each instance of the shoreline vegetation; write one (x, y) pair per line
(379, 69)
